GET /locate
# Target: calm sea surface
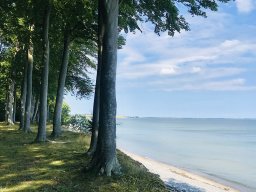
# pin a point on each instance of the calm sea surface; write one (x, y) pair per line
(222, 149)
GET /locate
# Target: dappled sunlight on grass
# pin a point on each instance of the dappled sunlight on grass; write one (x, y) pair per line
(27, 185)
(39, 156)
(8, 176)
(57, 163)
(34, 149)
(58, 166)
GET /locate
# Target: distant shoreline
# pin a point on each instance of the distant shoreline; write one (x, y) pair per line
(141, 117)
(177, 179)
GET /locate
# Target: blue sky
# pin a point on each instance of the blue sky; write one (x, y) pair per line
(209, 71)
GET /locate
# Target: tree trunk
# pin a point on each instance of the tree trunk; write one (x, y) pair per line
(104, 159)
(14, 102)
(6, 105)
(29, 88)
(23, 98)
(33, 104)
(35, 109)
(48, 113)
(9, 102)
(38, 114)
(61, 84)
(96, 103)
(41, 134)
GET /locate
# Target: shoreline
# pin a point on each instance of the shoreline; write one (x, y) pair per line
(177, 179)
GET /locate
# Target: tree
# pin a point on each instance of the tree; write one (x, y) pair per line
(74, 27)
(19, 27)
(30, 53)
(165, 16)
(96, 103)
(61, 84)
(21, 24)
(41, 134)
(11, 44)
(10, 94)
(104, 159)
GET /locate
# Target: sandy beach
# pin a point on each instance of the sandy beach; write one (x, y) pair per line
(180, 180)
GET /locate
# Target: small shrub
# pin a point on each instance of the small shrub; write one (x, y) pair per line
(79, 123)
(65, 115)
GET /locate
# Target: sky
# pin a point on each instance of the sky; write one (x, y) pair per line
(207, 72)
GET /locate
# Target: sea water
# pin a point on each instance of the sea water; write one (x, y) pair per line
(222, 149)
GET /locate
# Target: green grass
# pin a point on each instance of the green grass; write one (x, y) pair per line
(57, 166)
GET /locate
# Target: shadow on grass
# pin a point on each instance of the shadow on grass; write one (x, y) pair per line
(57, 166)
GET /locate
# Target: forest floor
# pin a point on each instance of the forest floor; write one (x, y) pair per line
(58, 166)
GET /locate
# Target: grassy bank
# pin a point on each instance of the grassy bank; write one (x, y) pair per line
(57, 166)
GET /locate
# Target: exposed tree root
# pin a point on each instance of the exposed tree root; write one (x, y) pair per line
(103, 166)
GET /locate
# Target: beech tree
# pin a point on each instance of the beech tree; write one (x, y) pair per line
(165, 16)
(13, 32)
(22, 28)
(41, 134)
(104, 159)
(96, 103)
(30, 52)
(78, 22)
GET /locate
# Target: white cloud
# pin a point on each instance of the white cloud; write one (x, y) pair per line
(168, 71)
(220, 85)
(132, 56)
(209, 57)
(230, 43)
(245, 6)
(181, 60)
(196, 69)
(206, 79)
(221, 72)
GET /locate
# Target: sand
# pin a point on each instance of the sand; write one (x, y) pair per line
(180, 180)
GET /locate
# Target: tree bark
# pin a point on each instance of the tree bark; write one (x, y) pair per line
(96, 103)
(9, 102)
(6, 105)
(23, 98)
(41, 134)
(35, 109)
(61, 84)
(27, 128)
(14, 102)
(33, 104)
(104, 159)
(48, 113)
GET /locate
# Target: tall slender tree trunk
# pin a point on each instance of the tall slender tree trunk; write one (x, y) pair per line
(6, 104)
(48, 113)
(41, 134)
(61, 84)
(14, 74)
(23, 97)
(33, 104)
(9, 102)
(14, 102)
(29, 88)
(35, 109)
(104, 159)
(96, 103)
